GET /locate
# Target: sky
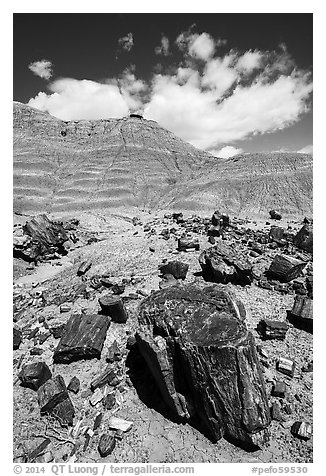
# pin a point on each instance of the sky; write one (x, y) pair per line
(226, 83)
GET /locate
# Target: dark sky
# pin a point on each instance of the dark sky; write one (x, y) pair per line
(84, 46)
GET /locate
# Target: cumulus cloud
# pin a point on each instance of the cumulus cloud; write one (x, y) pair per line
(226, 152)
(126, 42)
(198, 46)
(207, 99)
(73, 99)
(250, 61)
(42, 68)
(163, 49)
(308, 149)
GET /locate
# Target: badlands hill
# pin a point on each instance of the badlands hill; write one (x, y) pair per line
(134, 165)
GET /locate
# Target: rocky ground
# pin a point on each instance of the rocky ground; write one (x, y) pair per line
(122, 257)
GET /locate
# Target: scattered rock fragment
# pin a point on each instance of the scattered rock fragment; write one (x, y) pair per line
(17, 338)
(53, 398)
(275, 215)
(106, 445)
(96, 397)
(271, 329)
(109, 401)
(83, 338)
(276, 412)
(304, 238)
(188, 243)
(302, 430)
(39, 449)
(84, 267)
(301, 315)
(64, 412)
(107, 376)
(113, 306)
(286, 366)
(34, 375)
(279, 389)
(178, 269)
(119, 424)
(74, 385)
(114, 353)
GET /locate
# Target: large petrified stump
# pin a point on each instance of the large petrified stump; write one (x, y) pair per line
(83, 338)
(223, 264)
(199, 351)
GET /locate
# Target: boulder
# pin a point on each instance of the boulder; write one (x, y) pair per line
(302, 430)
(83, 338)
(53, 398)
(34, 375)
(204, 361)
(223, 264)
(178, 269)
(285, 268)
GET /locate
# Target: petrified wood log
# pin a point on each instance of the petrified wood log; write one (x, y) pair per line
(178, 269)
(222, 264)
(304, 238)
(203, 358)
(51, 393)
(113, 306)
(285, 268)
(83, 338)
(188, 244)
(47, 236)
(270, 329)
(301, 315)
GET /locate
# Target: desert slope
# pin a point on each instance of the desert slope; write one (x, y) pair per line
(134, 164)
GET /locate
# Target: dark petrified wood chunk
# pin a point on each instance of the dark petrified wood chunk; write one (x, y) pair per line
(302, 430)
(203, 358)
(106, 445)
(178, 269)
(285, 268)
(83, 338)
(51, 393)
(64, 412)
(47, 236)
(74, 385)
(187, 244)
(275, 215)
(34, 375)
(84, 267)
(113, 306)
(17, 338)
(270, 329)
(304, 238)
(276, 233)
(223, 264)
(39, 449)
(301, 315)
(105, 377)
(285, 366)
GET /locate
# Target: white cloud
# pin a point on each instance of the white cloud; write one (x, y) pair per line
(73, 99)
(198, 46)
(126, 42)
(226, 152)
(308, 149)
(249, 61)
(223, 100)
(42, 68)
(163, 49)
